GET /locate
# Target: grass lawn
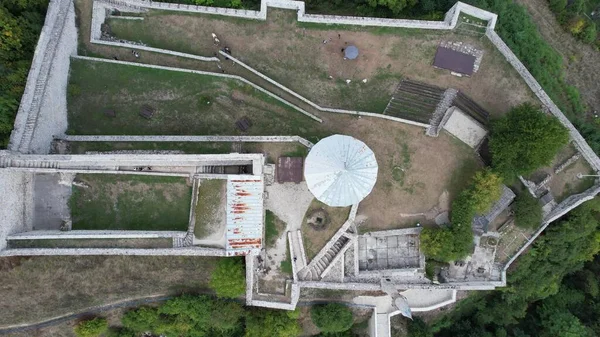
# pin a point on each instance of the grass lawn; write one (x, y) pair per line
(315, 240)
(93, 243)
(128, 202)
(185, 147)
(210, 209)
(273, 228)
(186, 104)
(39, 288)
(386, 55)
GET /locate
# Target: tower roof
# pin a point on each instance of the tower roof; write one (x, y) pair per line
(340, 170)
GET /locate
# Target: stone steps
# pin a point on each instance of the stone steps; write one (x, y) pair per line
(42, 79)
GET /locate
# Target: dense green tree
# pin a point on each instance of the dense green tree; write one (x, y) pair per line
(226, 316)
(271, 323)
(331, 317)
(92, 327)
(418, 328)
(228, 280)
(528, 211)
(486, 190)
(524, 140)
(141, 320)
(539, 282)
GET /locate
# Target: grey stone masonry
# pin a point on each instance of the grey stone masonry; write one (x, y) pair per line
(437, 121)
(567, 162)
(95, 234)
(45, 91)
(181, 139)
(186, 251)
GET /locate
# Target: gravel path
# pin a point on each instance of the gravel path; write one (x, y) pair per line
(289, 202)
(15, 213)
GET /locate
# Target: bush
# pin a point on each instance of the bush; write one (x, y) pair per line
(228, 280)
(271, 323)
(528, 211)
(332, 317)
(524, 140)
(91, 328)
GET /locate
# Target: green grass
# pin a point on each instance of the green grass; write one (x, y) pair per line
(208, 209)
(186, 147)
(92, 243)
(299, 151)
(128, 202)
(273, 226)
(179, 99)
(286, 265)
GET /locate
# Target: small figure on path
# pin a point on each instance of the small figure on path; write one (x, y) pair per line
(339, 36)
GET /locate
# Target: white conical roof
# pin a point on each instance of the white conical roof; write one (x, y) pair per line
(340, 170)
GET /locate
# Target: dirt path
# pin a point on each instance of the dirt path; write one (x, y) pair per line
(581, 60)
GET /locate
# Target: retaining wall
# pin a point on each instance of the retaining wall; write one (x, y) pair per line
(95, 234)
(187, 251)
(232, 139)
(43, 107)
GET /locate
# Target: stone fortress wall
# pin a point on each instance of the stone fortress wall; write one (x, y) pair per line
(42, 113)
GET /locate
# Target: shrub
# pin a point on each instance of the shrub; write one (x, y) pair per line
(271, 323)
(91, 328)
(525, 139)
(228, 278)
(528, 211)
(332, 317)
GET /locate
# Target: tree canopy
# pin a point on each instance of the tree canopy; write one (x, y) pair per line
(271, 323)
(91, 328)
(524, 140)
(539, 276)
(331, 317)
(228, 280)
(528, 211)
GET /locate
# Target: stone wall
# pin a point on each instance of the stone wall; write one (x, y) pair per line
(43, 108)
(95, 234)
(187, 251)
(232, 139)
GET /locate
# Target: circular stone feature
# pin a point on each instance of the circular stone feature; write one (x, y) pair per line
(351, 52)
(340, 170)
(318, 219)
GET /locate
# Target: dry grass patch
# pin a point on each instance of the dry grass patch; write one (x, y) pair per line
(315, 239)
(129, 202)
(39, 288)
(280, 48)
(210, 209)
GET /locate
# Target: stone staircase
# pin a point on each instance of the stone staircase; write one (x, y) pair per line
(42, 79)
(436, 122)
(10, 162)
(313, 271)
(180, 242)
(211, 169)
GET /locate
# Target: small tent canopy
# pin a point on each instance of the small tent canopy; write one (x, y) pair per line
(351, 52)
